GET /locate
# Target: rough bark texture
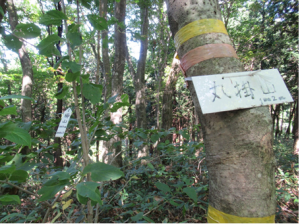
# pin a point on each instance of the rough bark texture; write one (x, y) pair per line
(238, 143)
(117, 79)
(167, 101)
(27, 71)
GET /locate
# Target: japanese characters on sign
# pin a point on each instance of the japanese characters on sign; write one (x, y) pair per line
(63, 123)
(240, 90)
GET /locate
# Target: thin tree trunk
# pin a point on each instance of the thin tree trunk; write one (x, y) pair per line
(117, 81)
(296, 129)
(27, 71)
(238, 144)
(167, 99)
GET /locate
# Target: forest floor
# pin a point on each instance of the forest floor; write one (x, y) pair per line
(159, 193)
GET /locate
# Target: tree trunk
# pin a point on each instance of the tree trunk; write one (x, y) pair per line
(117, 80)
(238, 143)
(26, 70)
(296, 129)
(167, 101)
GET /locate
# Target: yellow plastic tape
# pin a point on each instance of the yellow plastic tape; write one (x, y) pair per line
(216, 216)
(197, 28)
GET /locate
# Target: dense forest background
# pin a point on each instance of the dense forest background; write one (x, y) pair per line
(114, 65)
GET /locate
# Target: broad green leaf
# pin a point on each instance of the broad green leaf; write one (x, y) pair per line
(6, 128)
(185, 134)
(49, 191)
(154, 138)
(191, 193)
(138, 143)
(103, 172)
(8, 169)
(62, 93)
(10, 199)
(81, 199)
(88, 189)
(57, 64)
(13, 43)
(92, 92)
(72, 65)
(73, 28)
(17, 160)
(112, 99)
(61, 175)
(163, 187)
(9, 110)
(28, 30)
(70, 77)
(19, 175)
(16, 97)
(125, 102)
(75, 39)
(148, 219)
(142, 135)
(99, 23)
(46, 46)
(87, 3)
(52, 17)
(137, 217)
(150, 166)
(19, 136)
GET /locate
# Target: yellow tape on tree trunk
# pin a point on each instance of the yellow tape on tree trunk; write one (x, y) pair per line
(216, 216)
(197, 28)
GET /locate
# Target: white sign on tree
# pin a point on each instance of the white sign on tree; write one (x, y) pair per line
(63, 123)
(233, 91)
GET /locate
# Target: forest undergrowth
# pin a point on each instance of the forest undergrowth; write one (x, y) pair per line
(174, 192)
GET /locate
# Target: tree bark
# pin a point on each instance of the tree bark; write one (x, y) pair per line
(139, 75)
(117, 81)
(238, 143)
(27, 71)
(167, 99)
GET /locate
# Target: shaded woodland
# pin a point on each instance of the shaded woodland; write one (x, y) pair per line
(133, 149)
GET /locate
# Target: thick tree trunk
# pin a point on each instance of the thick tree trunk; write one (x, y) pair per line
(117, 81)
(27, 71)
(238, 143)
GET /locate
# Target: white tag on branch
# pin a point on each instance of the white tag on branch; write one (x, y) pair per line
(63, 123)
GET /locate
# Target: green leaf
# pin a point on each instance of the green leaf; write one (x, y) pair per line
(81, 199)
(46, 46)
(137, 217)
(6, 128)
(103, 172)
(9, 110)
(61, 175)
(92, 92)
(185, 134)
(99, 23)
(28, 30)
(148, 219)
(88, 189)
(51, 187)
(125, 102)
(154, 137)
(191, 193)
(112, 99)
(52, 17)
(70, 77)
(16, 97)
(19, 175)
(163, 187)
(1, 11)
(13, 43)
(8, 169)
(87, 3)
(10, 199)
(72, 65)
(74, 38)
(62, 93)
(150, 166)
(57, 64)
(19, 136)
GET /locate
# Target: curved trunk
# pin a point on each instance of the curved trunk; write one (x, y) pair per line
(238, 143)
